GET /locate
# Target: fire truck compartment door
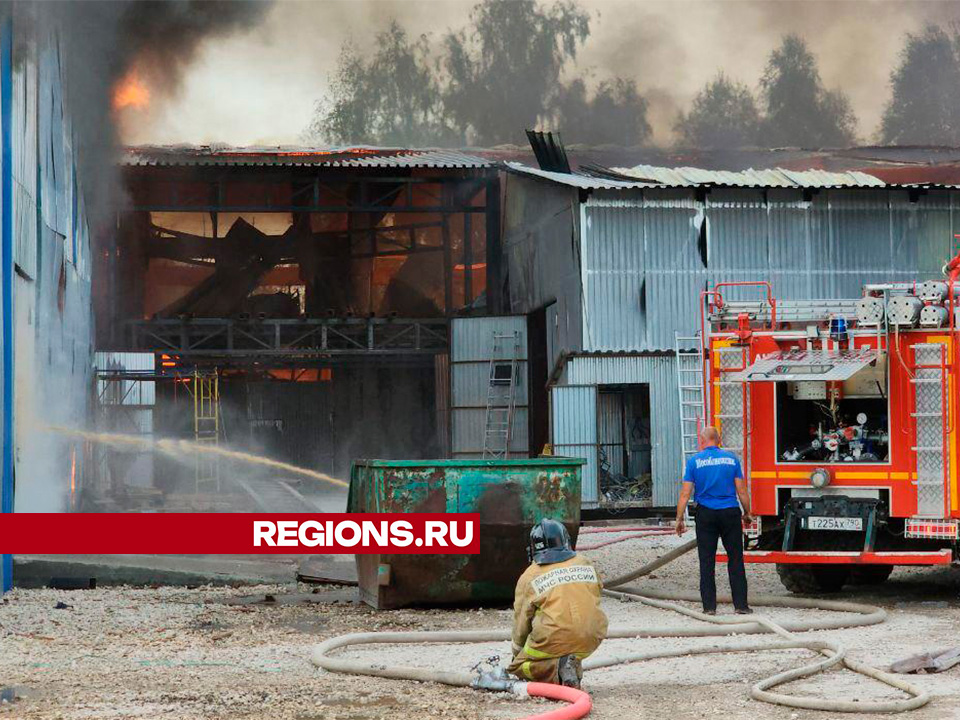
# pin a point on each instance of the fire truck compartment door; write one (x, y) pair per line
(804, 366)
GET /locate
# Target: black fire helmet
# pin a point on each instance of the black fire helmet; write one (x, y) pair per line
(549, 543)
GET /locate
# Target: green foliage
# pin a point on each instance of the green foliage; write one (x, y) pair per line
(487, 84)
(924, 107)
(616, 114)
(393, 99)
(798, 110)
(503, 70)
(723, 115)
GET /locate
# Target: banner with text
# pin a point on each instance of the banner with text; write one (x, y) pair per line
(237, 533)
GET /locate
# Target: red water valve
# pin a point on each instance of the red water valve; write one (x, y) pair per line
(744, 333)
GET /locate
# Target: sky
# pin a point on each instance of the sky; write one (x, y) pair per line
(261, 86)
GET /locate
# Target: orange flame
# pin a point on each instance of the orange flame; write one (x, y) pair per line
(73, 473)
(131, 92)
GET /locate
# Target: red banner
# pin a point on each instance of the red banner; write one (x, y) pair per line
(237, 533)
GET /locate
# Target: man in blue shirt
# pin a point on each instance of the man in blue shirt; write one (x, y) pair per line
(715, 479)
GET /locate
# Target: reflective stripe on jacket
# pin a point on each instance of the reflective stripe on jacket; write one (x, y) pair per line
(557, 610)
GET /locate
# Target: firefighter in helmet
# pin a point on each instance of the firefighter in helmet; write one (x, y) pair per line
(557, 616)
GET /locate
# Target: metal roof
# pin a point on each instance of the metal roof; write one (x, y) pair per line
(291, 156)
(775, 177)
(584, 182)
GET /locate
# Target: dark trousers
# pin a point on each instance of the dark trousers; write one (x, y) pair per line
(724, 525)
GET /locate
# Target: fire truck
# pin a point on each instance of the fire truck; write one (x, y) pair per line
(844, 414)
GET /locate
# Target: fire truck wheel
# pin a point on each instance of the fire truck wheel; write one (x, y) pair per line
(812, 579)
(870, 574)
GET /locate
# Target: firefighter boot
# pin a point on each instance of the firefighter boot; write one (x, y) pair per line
(570, 671)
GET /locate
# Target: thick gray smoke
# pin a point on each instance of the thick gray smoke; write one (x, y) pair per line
(671, 48)
(101, 42)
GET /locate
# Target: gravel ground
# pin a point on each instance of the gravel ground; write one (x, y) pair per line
(181, 653)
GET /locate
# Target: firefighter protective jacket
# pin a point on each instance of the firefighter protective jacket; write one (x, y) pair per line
(557, 610)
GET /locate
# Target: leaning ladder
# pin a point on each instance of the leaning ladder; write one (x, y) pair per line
(206, 426)
(501, 395)
(689, 392)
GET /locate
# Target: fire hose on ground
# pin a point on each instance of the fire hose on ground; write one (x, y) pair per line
(649, 531)
(833, 653)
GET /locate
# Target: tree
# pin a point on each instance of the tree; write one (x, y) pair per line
(489, 82)
(724, 115)
(617, 113)
(392, 99)
(502, 72)
(798, 110)
(924, 106)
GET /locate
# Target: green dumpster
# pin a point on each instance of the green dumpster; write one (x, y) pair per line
(509, 495)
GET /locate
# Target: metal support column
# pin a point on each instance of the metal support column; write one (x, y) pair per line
(492, 228)
(467, 261)
(447, 264)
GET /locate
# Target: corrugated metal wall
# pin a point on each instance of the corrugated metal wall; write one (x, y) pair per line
(52, 308)
(542, 256)
(471, 349)
(659, 372)
(573, 430)
(637, 260)
(25, 165)
(610, 441)
(647, 255)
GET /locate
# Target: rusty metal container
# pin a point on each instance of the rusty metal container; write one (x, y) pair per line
(509, 495)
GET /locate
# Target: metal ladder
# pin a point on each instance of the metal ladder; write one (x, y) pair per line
(689, 393)
(501, 395)
(930, 413)
(733, 407)
(206, 426)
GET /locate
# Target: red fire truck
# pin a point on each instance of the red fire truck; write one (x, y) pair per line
(844, 414)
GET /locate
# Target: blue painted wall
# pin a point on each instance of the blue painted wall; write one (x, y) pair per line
(6, 258)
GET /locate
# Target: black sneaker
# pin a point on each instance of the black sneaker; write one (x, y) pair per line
(570, 671)
(744, 611)
(709, 612)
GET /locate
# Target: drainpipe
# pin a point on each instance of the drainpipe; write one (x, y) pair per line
(6, 259)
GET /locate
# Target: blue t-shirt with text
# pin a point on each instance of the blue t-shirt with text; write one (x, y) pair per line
(713, 472)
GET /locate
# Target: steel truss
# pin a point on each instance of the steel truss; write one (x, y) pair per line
(306, 338)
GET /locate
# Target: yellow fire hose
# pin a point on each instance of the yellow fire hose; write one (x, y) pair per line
(834, 653)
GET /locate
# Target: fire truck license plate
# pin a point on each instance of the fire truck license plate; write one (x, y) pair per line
(833, 523)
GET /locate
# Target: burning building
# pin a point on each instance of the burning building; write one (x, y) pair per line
(318, 284)
(382, 303)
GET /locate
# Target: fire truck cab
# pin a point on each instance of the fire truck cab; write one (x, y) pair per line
(844, 415)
